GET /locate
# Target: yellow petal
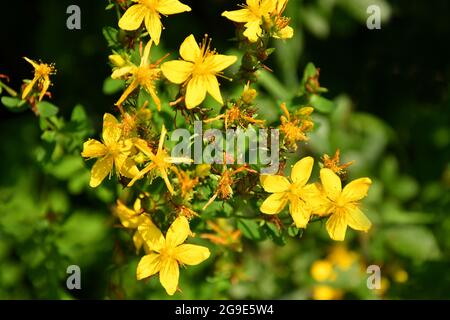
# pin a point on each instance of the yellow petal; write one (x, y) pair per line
(274, 203)
(212, 86)
(153, 26)
(129, 218)
(240, 16)
(253, 30)
(331, 183)
(357, 220)
(281, 4)
(32, 62)
(356, 190)
(218, 62)
(178, 232)
(285, 33)
(28, 88)
(148, 265)
(274, 183)
(195, 91)
(169, 275)
(141, 173)
(100, 170)
(151, 235)
(172, 7)
(301, 171)
(132, 19)
(146, 54)
(93, 149)
(150, 88)
(111, 129)
(129, 169)
(268, 6)
(337, 226)
(191, 254)
(138, 241)
(121, 72)
(162, 138)
(133, 85)
(300, 213)
(189, 49)
(177, 71)
(45, 85)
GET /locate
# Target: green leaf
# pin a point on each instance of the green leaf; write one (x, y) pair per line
(415, 242)
(111, 86)
(14, 104)
(250, 229)
(46, 109)
(110, 35)
(321, 104)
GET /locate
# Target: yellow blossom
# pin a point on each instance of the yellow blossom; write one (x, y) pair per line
(143, 75)
(159, 161)
(324, 292)
(149, 12)
(168, 253)
(132, 219)
(343, 204)
(322, 270)
(294, 127)
(198, 71)
(297, 193)
(113, 152)
(42, 72)
(283, 30)
(341, 257)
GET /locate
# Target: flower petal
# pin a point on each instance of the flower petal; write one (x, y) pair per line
(191, 254)
(331, 183)
(253, 30)
(301, 171)
(195, 91)
(178, 232)
(100, 170)
(45, 85)
(218, 62)
(28, 88)
(111, 129)
(337, 226)
(274, 203)
(93, 149)
(154, 26)
(169, 275)
(132, 19)
(149, 265)
(172, 7)
(177, 71)
(151, 235)
(240, 16)
(356, 190)
(189, 49)
(274, 183)
(357, 220)
(121, 72)
(212, 86)
(300, 213)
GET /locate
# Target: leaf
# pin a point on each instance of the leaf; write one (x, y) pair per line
(46, 109)
(111, 86)
(321, 104)
(414, 242)
(275, 233)
(14, 104)
(250, 229)
(110, 35)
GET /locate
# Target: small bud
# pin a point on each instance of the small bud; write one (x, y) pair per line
(249, 94)
(117, 60)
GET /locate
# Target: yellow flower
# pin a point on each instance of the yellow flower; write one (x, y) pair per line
(149, 11)
(132, 219)
(168, 253)
(253, 14)
(296, 126)
(42, 74)
(297, 193)
(283, 30)
(343, 204)
(324, 292)
(322, 270)
(144, 76)
(159, 161)
(113, 152)
(198, 71)
(341, 257)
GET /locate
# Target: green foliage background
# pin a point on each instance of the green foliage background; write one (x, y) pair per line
(391, 114)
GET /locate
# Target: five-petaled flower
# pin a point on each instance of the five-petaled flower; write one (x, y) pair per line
(343, 204)
(198, 71)
(300, 195)
(42, 72)
(114, 151)
(166, 254)
(159, 161)
(143, 75)
(149, 11)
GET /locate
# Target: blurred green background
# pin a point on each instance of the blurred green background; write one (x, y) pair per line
(391, 115)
